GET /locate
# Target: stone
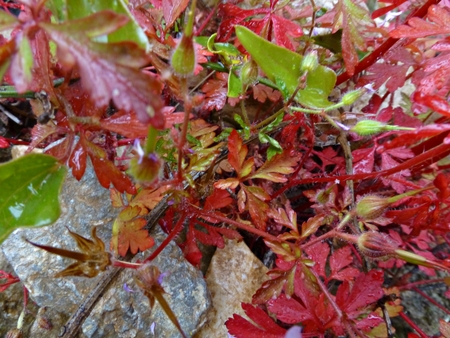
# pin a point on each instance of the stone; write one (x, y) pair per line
(119, 313)
(233, 277)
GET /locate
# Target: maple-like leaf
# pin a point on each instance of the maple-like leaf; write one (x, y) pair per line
(278, 166)
(439, 23)
(265, 327)
(273, 26)
(237, 154)
(254, 200)
(109, 71)
(352, 18)
(128, 232)
(357, 298)
(339, 265)
(261, 93)
(215, 92)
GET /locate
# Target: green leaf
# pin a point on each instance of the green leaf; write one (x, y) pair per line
(282, 66)
(26, 58)
(234, 83)
(7, 20)
(77, 9)
(30, 187)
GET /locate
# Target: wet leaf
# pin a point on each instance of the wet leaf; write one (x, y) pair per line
(30, 187)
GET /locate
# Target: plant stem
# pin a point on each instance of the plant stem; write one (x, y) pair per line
(11, 92)
(182, 141)
(150, 144)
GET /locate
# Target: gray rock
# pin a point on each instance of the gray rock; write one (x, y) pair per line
(119, 313)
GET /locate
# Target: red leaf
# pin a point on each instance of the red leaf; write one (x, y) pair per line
(353, 18)
(110, 71)
(358, 297)
(3, 142)
(190, 249)
(255, 197)
(288, 310)
(242, 328)
(237, 154)
(215, 92)
(319, 254)
(443, 184)
(105, 170)
(77, 160)
(126, 124)
(272, 26)
(419, 28)
(218, 199)
(172, 10)
(10, 279)
(339, 260)
(381, 11)
(434, 102)
(412, 137)
(261, 93)
(363, 160)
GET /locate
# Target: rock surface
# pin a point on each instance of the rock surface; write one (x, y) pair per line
(119, 313)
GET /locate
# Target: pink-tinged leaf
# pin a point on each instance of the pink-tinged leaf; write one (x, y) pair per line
(288, 310)
(261, 93)
(215, 92)
(242, 328)
(110, 72)
(126, 124)
(211, 237)
(355, 297)
(278, 166)
(319, 254)
(228, 183)
(420, 134)
(172, 10)
(284, 30)
(339, 261)
(419, 28)
(22, 64)
(312, 224)
(363, 160)
(444, 328)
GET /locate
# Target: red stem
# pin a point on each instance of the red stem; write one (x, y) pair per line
(175, 231)
(239, 225)
(413, 325)
(431, 300)
(422, 282)
(430, 154)
(377, 53)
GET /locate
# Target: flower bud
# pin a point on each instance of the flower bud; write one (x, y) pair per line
(371, 207)
(376, 245)
(368, 127)
(351, 97)
(310, 62)
(146, 169)
(183, 59)
(249, 73)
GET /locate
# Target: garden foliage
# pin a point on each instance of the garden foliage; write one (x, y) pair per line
(276, 121)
